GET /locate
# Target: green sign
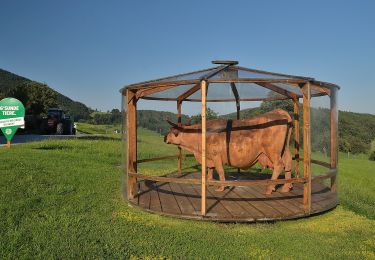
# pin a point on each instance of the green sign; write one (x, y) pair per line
(12, 113)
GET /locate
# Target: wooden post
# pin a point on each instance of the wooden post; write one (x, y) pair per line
(203, 113)
(334, 118)
(8, 144)
(306, 147)
(296, 138)
(179, 120)
(131, 141)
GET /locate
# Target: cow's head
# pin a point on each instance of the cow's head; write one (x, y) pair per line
(174, 134)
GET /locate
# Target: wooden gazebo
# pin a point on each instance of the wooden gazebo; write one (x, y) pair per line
(191, 195)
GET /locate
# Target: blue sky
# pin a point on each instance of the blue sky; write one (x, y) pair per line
(88, 50)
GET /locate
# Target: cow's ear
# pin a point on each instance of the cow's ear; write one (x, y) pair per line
(175, 132)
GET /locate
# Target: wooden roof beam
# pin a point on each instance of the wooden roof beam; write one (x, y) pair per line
(278, 90)
(194, 89)
(237, 97)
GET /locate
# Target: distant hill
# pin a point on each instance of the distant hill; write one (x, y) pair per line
(21, 88)
(356, 130)
(156, 120)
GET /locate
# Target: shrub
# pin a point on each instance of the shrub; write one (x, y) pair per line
(372, 156)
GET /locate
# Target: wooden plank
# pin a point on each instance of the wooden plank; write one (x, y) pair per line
(186, 206)
(318, 162)
(155, 204)
(144, 197)
(259, 202)
(204, 175)
(321, 197)
(225, 208)
(321, 163)
(296, 138)
(217, 100)
(329, 174)
(324, 201)
(333, 120)
(257, 80)
(158, 159)
(276, 204)
(256, 182)
(243, 202)
(131, 140)
(164, 179)
(192, 195)
(189, 92)
(172, 198)
(306, 147)
(152, 90)
(289, 200)
(236, 206)
(214, 208)
(167, 200)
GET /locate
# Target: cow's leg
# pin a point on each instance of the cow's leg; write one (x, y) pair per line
(210, 174)
(220, 170)
(277, 168)
(287, 159)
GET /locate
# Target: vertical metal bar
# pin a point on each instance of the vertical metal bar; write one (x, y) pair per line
(333, 153)
(296, 137)
(306, 147)
(131, 141)
(238, 106)
(179, 120)
(204, 176)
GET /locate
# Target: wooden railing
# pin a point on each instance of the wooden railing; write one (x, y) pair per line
(331, 173)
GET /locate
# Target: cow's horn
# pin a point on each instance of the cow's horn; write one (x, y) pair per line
(170, 122)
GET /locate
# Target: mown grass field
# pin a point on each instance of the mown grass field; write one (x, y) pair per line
(63, 199)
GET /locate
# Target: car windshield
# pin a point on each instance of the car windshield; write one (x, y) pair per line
(54, 113)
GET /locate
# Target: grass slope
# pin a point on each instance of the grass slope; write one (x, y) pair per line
(63, 199)
(84, 128)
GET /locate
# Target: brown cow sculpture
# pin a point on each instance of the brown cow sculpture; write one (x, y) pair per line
(241, 144)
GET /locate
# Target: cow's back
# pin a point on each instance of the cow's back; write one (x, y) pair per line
(240, 143)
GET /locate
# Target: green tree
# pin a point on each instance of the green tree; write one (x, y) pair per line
(36, 97)
(210, 115)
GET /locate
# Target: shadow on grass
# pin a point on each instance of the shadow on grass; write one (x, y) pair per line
(54, 147)
(99, 137)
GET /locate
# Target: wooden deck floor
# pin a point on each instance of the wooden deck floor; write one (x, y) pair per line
(239, 204)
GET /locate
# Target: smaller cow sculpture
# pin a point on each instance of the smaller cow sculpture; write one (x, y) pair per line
(241, 144)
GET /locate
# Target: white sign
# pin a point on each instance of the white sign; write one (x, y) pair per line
(12, 122)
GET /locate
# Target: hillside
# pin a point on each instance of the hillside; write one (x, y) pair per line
(29, 92)
(356, 130)
(155, 120)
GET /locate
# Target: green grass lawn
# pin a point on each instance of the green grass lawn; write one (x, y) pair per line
(84, 128)
(63, 199)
